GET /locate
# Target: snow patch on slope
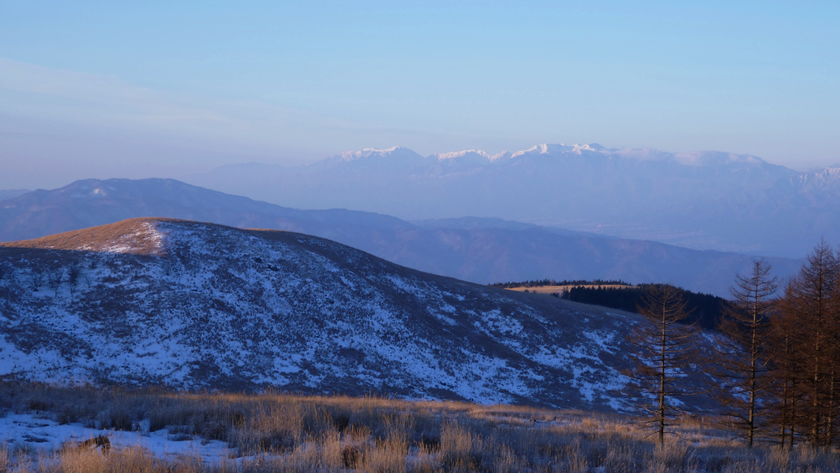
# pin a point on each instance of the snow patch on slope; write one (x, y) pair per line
(221, 307)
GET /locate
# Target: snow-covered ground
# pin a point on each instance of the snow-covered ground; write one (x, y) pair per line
(34, 433)
(196, 306)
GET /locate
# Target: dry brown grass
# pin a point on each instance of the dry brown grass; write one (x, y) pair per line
(128, 232)
(280, 432)
(5, 459)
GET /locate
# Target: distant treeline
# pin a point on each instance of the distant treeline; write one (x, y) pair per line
(552, 282)
(706, 309)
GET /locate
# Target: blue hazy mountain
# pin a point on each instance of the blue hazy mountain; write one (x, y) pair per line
(710, 200)
(480, 250)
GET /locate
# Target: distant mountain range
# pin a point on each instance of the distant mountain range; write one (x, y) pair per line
(709, 200)
(193, 305)
(481, 250)
(9, 193)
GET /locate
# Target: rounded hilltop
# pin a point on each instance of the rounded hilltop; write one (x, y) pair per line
(140, 236)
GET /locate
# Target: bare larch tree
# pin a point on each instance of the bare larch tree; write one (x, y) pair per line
(809, 317)
(663, 351)
(742, 352)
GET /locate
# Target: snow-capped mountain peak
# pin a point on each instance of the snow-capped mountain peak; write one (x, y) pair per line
(393, 152)
(461, 154)
(559, 149)
(717, 158)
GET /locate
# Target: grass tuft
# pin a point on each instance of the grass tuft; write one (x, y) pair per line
(278, 432)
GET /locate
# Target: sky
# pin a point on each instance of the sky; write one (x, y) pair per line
(165, 89)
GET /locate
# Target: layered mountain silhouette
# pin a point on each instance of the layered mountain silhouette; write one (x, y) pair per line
(709, 200)
(195, 305)
(10, 193)
(473, 249)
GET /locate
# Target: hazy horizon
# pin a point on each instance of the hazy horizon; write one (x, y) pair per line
(99, 90)
(136, 171)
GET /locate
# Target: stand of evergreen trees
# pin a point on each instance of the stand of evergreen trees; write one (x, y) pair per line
(704, 309)
(565, 282)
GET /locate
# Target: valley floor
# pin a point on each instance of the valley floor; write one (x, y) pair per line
(42, 429)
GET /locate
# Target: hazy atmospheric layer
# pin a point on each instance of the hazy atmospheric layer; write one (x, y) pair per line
(481, 250)
(710, 200)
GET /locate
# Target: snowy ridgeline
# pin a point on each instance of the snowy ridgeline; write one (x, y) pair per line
(207, 306)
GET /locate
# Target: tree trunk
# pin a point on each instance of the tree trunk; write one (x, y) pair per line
(753, 362)
(662, 366)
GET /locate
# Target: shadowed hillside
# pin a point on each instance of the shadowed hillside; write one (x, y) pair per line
(477, 250)
(194, 305)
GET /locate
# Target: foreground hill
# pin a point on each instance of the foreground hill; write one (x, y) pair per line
(194, 305)
(472, 249)
(709, 200)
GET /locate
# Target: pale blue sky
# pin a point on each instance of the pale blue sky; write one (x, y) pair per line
(106, 89)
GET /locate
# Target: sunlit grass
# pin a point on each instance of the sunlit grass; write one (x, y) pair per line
(282, 432)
